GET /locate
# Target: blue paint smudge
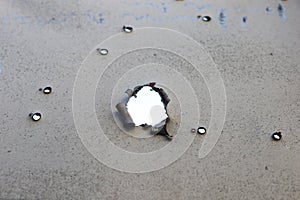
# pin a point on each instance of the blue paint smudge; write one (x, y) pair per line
(268, 9)
(99, 18)
(244, 20)
(163, 7)
(204, 7)
(152, 5)
(281, 11)
(165, 10)
(222, 19)
(238, 9)
(159, 19)
(60, 18)
(199, 7)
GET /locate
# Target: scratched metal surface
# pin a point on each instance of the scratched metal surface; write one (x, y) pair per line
(44, 43)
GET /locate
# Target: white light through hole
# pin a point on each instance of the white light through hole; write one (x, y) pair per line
(147, 107)
(36, 117)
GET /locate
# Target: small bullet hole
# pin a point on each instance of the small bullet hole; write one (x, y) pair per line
(35, 116)
(47, 90)
(206, 18)
(127, 29)
(276, 136)
(201, 130)
(102, 51)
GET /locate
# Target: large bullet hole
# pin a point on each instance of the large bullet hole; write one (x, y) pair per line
(146, 107)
